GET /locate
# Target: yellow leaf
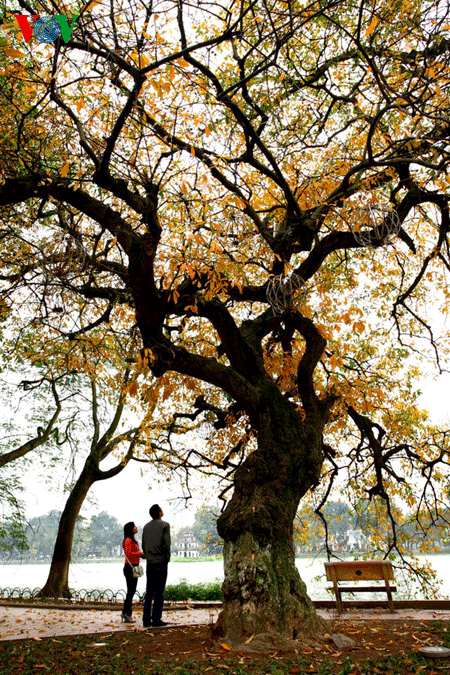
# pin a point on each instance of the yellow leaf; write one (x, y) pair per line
(225, 646)
(13, 53)
(373, 24)
(249, 639)
(215, 247)
(92, 4)
(133, 388)
(65, 170)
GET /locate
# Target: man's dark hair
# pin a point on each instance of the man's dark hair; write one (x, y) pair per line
(154, 511)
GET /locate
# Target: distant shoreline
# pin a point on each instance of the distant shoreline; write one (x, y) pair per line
(87, 561)
(119, 559)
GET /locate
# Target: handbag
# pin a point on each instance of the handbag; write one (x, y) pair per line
(138, 570)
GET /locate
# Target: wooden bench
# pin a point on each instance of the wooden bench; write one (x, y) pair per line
(364, 570)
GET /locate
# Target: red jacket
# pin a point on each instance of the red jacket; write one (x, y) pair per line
(132, 551)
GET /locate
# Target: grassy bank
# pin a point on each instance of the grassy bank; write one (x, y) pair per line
(185, 591)
(208, 558)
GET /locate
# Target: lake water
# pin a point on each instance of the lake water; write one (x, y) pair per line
(109, 575)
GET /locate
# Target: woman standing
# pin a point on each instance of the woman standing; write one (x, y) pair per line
(132, 555)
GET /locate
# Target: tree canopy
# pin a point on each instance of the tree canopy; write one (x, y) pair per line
(257, 191)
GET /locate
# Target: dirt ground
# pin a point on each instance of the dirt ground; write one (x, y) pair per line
(380, 646)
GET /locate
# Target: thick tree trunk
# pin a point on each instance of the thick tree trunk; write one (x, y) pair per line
(263, 592)
(57, 584)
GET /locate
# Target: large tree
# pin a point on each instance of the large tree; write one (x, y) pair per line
(233, 174)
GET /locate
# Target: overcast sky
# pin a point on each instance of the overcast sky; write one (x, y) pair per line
(127, 496)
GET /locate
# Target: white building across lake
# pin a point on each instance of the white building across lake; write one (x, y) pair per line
(187, 546)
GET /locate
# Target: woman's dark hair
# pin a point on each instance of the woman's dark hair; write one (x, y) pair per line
(128, 532)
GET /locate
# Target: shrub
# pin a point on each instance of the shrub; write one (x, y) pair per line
(202, 591)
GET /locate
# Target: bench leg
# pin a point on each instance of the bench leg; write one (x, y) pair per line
(339, 604)
(388, 589)
(390, 600)
(337, 592)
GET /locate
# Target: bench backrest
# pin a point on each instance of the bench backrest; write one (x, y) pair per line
(353, 570)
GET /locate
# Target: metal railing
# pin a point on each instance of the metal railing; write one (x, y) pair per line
(76, 595)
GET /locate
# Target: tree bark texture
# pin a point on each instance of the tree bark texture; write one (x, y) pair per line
(57, 584)
(263, 591)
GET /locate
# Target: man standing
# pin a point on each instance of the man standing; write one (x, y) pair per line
(156, 546)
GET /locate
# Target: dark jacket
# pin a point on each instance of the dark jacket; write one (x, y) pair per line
(156, 541)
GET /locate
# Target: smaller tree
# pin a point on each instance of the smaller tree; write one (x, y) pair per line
(41, 533)
(13, 539)
(37, 409)
(327, 528)
(205, 530)
(101, 447)
(340, 520)
(106, 533)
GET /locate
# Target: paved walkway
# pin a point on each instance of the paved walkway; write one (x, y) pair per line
(18, 623)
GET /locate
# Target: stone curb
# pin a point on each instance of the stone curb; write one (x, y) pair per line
(199, 604)
(113, 606)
